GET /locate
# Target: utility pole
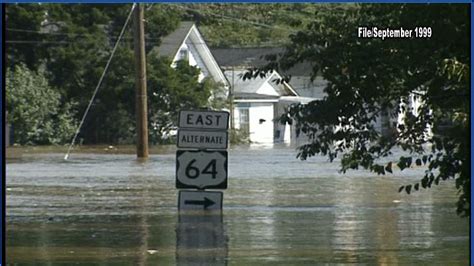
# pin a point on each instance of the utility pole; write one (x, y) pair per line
(141, 94)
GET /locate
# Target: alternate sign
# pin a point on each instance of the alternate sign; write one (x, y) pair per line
(204, 120)
(202, 139)
(200, 200)
(201, 169)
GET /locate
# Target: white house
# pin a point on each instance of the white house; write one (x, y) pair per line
(258, 103)
(304, 86)
(264, 99)
(242, 58)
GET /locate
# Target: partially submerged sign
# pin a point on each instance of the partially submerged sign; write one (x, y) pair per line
(202, 139)
(199, 200)
(201, 169)
(216, 120)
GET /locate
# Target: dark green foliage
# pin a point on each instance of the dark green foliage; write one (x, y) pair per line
(161, 20)
(75, 50)
(367, 77)
(23, 24)
(35, 110)
(74, 41)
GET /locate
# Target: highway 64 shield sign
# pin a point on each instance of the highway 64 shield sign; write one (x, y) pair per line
(201, 169)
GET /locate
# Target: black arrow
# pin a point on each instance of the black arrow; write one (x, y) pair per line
(206, 202)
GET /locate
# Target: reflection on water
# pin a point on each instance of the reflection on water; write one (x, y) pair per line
(201, 239)
(111, 209)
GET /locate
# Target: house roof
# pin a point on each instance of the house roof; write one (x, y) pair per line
(251, 86)
(243, 57)
(307, 88)
(255, 57)
(187, 37)
(171, 43)
(235, 79)
(300, 81)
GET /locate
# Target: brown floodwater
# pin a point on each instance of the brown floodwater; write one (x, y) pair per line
(104, 207)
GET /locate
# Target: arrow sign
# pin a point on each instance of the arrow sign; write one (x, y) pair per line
(206, 202)
(199, 200)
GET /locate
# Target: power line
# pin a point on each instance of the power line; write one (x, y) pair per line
(45, 33)
(42, 42)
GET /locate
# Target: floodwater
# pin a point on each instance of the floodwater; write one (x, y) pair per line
(108, 209)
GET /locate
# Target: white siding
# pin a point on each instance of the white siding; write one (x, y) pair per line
(267, 89)
(282, 132)
(178, 56)
(261, 132)
(193, 58)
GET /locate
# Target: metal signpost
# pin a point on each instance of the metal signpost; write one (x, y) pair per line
(202, 161)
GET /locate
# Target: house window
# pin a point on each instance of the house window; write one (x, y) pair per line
(183, 54)
(244, 120)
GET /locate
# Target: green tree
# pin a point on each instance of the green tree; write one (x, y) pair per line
(371, 77)
(35, 109)
(22, 33)
(74, 41)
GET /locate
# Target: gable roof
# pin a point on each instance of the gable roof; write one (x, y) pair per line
(188, 38)
(251, 86)
(172, 42)
(244, 57)
(255, 57)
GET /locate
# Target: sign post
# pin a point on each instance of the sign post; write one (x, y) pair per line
(201, 160)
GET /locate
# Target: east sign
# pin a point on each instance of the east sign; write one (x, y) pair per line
(216, 120)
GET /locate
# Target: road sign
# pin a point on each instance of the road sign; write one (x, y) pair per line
(217, 120)
(201, 169)
(202, 139)
(199, 200)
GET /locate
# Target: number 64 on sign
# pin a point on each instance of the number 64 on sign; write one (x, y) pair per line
(201, 169)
